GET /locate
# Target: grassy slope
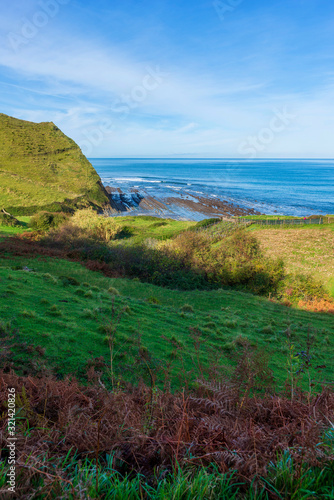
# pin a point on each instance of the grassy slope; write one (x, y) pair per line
(73, 336)
(8, 230)
(143, 227)
(40, 165)
(307, 249)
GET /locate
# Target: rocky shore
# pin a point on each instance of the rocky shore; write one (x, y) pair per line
(182, 205)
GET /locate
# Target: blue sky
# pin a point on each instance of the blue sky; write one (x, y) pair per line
(229, 78)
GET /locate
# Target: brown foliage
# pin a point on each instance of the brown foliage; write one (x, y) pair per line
(148, 430)
(317, 305)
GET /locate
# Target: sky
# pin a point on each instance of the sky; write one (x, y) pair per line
(174, 78)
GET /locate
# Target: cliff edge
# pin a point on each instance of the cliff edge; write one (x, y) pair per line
(43, 169)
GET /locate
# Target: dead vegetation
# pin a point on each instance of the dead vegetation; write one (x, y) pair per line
(147, 429)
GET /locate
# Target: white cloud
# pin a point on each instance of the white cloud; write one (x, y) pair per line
(209, 114)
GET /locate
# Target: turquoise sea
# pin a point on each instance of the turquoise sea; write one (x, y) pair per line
(291, 187)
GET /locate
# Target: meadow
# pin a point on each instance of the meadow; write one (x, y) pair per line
(172, 365)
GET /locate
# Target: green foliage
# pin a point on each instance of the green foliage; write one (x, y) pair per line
(206, 222)
(301, 287)
(102, 228)
(285, 480)
(153, 300)
(44, 221)
(8, 220)
(69, 280)
(187, 308)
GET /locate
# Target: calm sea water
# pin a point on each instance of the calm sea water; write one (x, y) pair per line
(295, 187)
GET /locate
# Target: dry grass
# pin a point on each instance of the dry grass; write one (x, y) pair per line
(304, 250)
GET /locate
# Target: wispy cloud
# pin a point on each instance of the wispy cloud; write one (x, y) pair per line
(218, 85)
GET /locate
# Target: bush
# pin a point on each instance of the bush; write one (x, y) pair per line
(102, 228)
(8, 220)
(187, 308)
(153, 300)
(206, 222)
(68, 280)
(113, 291)
(301, 287)
(44, 221)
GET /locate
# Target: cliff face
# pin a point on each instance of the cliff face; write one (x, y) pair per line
(42, 168)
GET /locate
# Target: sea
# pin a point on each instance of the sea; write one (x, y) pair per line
(289, 187)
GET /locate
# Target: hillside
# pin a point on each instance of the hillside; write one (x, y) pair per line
(136, 371)
(305, 249)
(42, 168)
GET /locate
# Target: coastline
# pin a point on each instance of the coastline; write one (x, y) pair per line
(197, 189)
(181, 205)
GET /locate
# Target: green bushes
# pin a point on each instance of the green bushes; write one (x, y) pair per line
(8, 220)
(301, 287)
(69, 281)
(187, 262)
(102, 228)
(206, 222)
(44, 221)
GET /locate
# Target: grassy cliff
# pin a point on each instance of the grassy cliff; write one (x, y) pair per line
(42, 168)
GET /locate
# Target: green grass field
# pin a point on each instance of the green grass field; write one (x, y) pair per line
(68, 321)
(142, 227)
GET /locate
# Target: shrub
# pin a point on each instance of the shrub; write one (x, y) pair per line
(50, 278)
(206, 222)
(103, 228)
(54, 311)
(301, 287)
(187, 308)
(28, 314)
(113, 291)
(68, 280)
(88, 313)
(153, 300)
(8, 220)
(229, 323)
(44, 221)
